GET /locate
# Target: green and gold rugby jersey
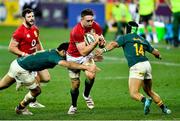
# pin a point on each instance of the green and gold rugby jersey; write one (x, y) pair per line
(134, 47)
(40, 60)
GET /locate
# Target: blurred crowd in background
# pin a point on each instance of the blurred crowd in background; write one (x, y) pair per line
(158, 19)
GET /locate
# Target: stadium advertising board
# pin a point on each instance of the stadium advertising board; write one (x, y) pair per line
(54, 15)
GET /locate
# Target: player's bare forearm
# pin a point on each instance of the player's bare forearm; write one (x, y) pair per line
(13, 48)
(110, 46)
(39, 46)
(72, 65)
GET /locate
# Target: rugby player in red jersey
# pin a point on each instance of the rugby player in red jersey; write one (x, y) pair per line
(24, 41)
(81, 52)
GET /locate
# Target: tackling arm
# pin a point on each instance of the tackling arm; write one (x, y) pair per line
(109, 47)
(73, 65)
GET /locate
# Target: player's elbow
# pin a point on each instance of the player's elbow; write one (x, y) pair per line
(10, 49)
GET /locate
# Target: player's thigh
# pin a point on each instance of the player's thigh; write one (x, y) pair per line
(21, 75)
(44, 75)
(90, 75)
(148, 74)
(33, 85)
(137, 71)
(74, 73)
(147, 85)
(6, 81)
(134, 85)
(28, 79)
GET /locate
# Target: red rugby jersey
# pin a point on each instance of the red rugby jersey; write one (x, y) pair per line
(27, 38)
(77, 35)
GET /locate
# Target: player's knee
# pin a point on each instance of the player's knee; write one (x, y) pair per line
(45, 79)
(36, 91)
(90, 76)
(48, 78)
(149, 92)
(75, 83)
(133, 94)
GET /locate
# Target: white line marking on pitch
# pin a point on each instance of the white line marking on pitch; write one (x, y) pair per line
(113, 78)
(3, 47)
(154, 62)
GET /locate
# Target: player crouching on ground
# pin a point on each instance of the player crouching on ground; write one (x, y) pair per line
(134, 47)
(23, 70)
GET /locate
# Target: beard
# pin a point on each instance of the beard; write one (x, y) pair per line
(29, 24)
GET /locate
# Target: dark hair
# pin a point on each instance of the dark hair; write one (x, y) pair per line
(132, 27)
(63, 46)
(86, 12)
(25, 11)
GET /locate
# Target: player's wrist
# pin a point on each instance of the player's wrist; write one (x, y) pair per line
(104, 50)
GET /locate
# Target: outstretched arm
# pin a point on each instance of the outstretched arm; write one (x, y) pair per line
(109, 47)
(73, 65)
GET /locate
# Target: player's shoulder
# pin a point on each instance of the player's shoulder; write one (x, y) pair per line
(95, 24)
(77, 28)
(35, 27)
(19, 30)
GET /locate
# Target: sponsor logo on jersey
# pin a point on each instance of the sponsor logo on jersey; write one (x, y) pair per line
(28, 36)
(137, 39)
(35, 33)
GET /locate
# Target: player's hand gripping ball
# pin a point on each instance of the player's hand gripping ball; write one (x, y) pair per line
(89, 38)
(102, 42)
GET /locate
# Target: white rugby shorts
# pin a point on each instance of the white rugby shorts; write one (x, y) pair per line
(22, 76)
(87, 60)
(141, 70)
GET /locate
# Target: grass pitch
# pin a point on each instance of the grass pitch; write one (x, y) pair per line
(110, 91)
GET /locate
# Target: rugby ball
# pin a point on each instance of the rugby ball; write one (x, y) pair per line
(89, 38)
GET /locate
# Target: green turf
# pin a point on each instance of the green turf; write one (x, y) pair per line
(110, 91)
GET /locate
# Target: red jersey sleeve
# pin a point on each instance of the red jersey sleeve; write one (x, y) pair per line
(78, 35)
(36, 30)
(17, 35)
